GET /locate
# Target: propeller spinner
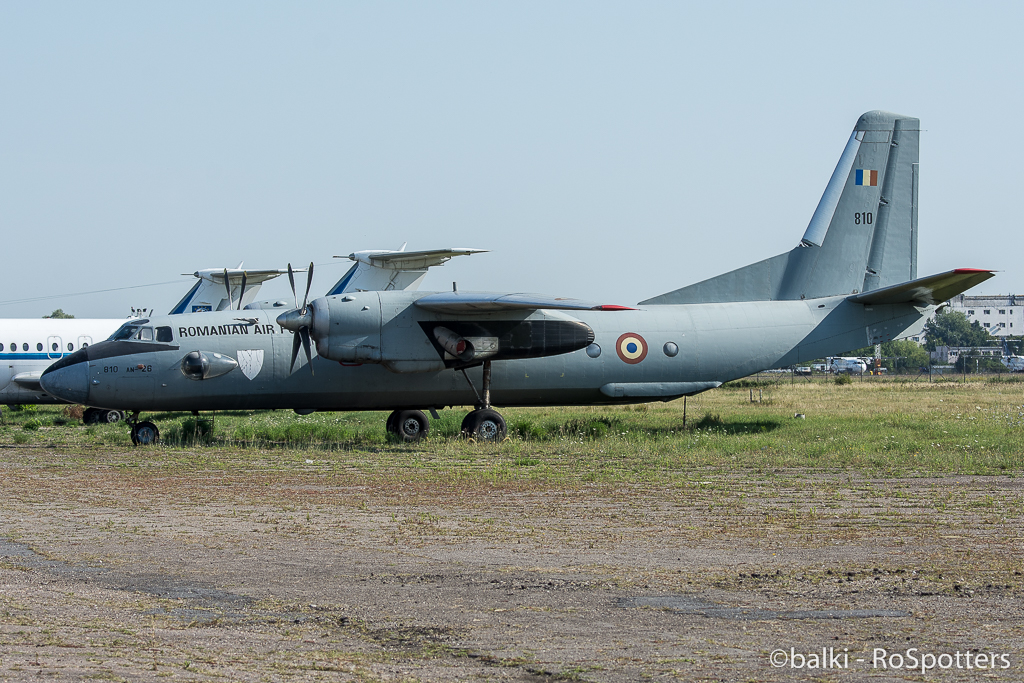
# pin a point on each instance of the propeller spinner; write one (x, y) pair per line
(299, 320)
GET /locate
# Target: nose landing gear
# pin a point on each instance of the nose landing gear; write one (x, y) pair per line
(143, 433)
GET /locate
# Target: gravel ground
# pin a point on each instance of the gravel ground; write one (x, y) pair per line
(140, 574)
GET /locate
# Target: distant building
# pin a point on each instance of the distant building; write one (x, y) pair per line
(1000, 315)
(951, 354)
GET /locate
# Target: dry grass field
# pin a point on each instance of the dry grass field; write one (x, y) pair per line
(596, 544)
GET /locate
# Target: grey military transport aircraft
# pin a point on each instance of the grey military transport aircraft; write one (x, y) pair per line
(850, 282)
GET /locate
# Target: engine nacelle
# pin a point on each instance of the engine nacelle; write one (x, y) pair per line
(347, 328)
(386, 327)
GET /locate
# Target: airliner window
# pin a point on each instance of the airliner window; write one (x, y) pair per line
(125, 332)
(146, 334)
(24, 347)
(14, 347)
(39, 346)
(55, 346)
(163, 334)
(71, 347)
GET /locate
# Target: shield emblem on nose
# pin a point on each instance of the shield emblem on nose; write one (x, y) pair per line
(250, 362)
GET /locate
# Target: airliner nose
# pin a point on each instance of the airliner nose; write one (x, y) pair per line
(68, 382)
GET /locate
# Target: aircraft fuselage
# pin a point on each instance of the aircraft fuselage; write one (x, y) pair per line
(664, 352)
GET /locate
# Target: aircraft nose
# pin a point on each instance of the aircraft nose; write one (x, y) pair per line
(68, 382)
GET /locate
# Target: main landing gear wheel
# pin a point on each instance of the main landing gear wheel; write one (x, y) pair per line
(95, 416)
(144, 434)
(485, 424)
(408, 425)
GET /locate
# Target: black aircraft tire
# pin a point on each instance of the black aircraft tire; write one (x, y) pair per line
(145, 434)
(408, 425)
(485, 425)
(91, 416)
(111, 416)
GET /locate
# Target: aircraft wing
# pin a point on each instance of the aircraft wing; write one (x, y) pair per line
(926, 291)
(483, 302)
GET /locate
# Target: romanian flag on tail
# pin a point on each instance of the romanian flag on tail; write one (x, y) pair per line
(865, 177)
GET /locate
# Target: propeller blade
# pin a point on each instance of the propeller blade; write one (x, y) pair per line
(227, 286)
(291, 279)
(304, 335)
(309, 282)
(295, 351)
(242, 294)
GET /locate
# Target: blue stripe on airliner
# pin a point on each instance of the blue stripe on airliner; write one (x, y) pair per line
(183, 304)
(343, 282)
(31, 356)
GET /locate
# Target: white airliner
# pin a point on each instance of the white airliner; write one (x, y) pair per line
(854, 366)
(29, 346)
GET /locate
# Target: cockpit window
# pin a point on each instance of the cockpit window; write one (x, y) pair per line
(124, 332)
(139, 332)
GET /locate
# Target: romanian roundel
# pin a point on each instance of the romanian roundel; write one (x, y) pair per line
(631, 347)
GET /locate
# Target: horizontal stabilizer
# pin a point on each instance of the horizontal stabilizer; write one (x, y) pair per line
(482, 302)
(252, 277)
(410, 260)
(926, 291)
(384, 270)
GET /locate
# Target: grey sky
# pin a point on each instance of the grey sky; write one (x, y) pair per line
(607, 151)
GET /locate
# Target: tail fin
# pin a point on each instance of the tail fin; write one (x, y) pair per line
(861, 237)
(209, 293)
